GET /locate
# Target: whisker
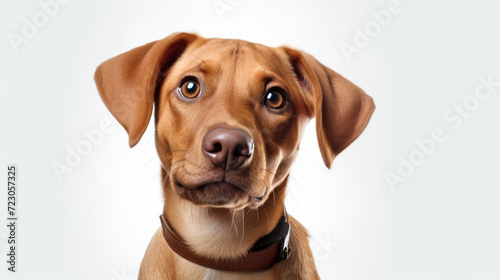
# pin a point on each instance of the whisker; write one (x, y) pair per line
(265, 211)
(293, 196)
(191, 208)
(263, 183)
(200, 227)
(299, 160)
(171, 151)
(150, 183)
(155, 157)
(167, 176)
(165, 179)
(234, 223)
(158, 173)
(176, 168)
(243, 227)
(298, 183)
(290, 189)
(177, 161)
(147, 146)
(162, 154)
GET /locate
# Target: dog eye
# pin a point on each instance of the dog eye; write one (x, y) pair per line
(275, 99)
(190, 88)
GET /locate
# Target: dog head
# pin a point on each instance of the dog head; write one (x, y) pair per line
(230, 114)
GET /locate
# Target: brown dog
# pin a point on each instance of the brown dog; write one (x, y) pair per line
(229, 116)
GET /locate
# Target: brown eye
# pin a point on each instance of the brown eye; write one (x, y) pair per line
(275, 99)
(190, 88)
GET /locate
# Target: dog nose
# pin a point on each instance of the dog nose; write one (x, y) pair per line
(228, 148)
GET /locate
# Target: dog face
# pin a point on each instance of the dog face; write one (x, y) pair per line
(229, 114)
(229, 121)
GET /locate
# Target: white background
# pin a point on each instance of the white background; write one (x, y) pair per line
(441, 223)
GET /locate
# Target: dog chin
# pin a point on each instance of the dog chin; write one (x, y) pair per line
(218, 195)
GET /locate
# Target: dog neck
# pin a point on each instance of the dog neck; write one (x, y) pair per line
(220, 232)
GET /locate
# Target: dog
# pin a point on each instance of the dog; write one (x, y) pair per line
(229, 116)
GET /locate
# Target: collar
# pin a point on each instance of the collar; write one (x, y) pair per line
(267, 251)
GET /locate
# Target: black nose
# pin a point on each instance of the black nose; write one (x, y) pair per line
(227, 148)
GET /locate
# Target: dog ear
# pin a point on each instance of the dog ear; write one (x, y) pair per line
(342, 109)
(127, 82)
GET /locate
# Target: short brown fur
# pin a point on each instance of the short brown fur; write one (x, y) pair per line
(234, 76)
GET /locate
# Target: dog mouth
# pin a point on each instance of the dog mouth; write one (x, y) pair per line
(221, 194)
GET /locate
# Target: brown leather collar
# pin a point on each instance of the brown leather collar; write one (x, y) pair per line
(267, 251)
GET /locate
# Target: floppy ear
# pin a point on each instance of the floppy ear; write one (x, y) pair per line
(342, 109)
(127, 82)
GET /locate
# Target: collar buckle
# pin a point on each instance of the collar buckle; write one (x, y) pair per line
(281, 235)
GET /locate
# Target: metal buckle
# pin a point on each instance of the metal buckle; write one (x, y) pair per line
(281, 234)
(283, 230)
